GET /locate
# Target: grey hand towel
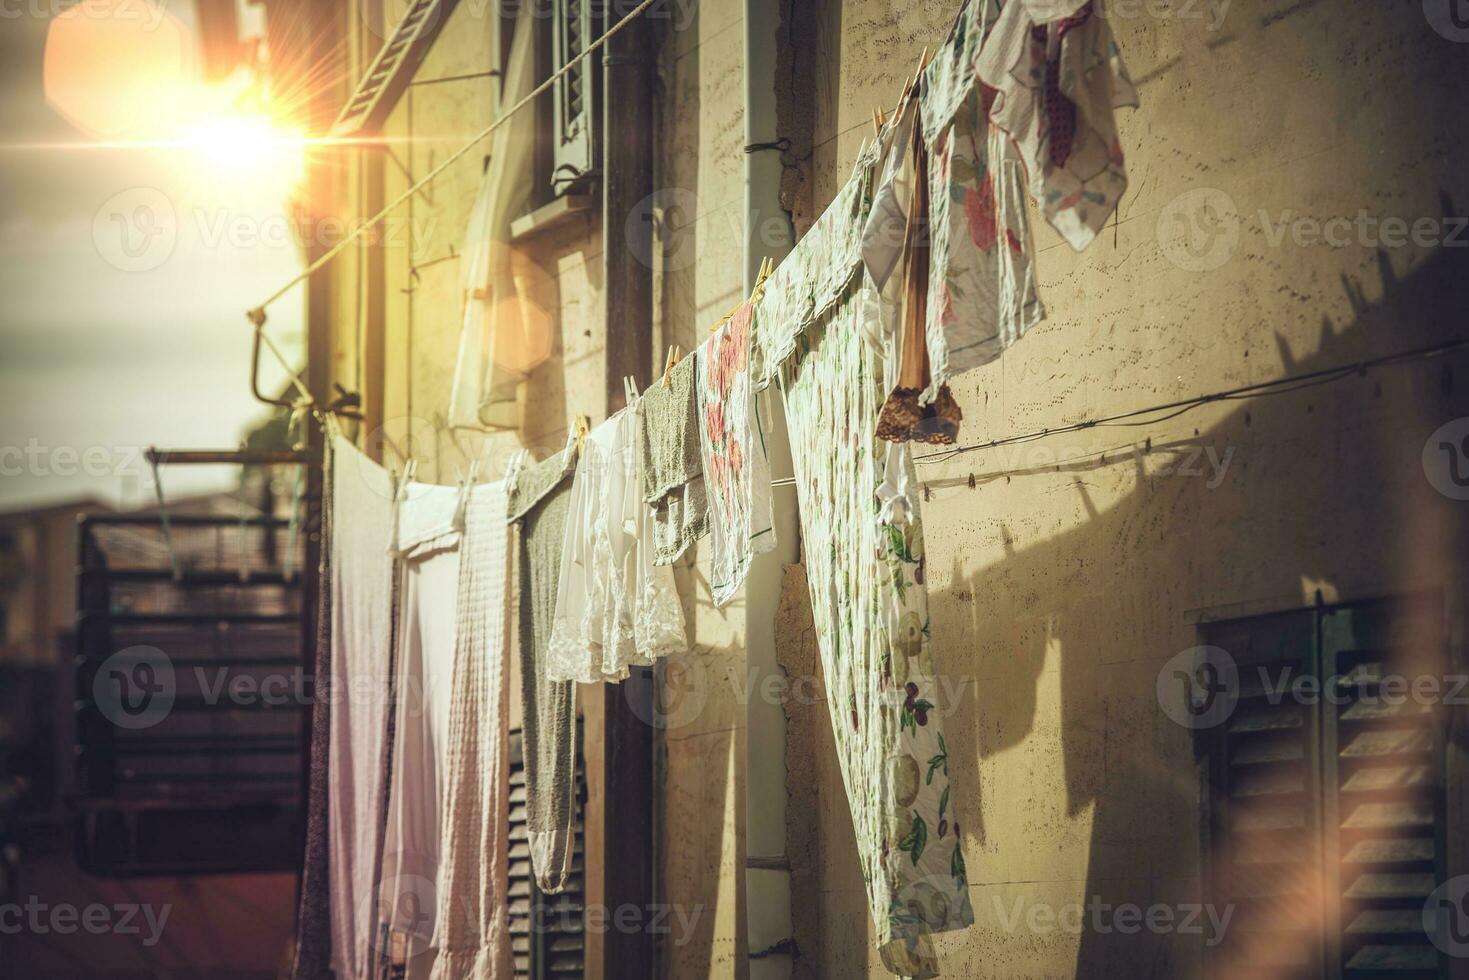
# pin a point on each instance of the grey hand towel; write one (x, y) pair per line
(540, 502)
(671, 463)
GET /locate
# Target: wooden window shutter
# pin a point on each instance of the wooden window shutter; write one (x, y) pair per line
(546, 931)
(1327, 811)
(392, 69)
(573, 145)
(1265, 810)
(1384, 763)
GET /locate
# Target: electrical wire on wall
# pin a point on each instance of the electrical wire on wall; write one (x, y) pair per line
(1154, 414)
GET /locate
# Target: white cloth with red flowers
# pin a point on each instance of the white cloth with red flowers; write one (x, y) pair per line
(736, 467)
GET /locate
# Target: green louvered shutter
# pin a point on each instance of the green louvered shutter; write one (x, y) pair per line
(1384, 755)
(546, 931)
(1327, 812)
(573, 153)
(1265, 811)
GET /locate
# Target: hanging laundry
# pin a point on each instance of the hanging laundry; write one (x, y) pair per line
(672, 463)
(836, 355)
(615, 609)
(810, 281)
(903, 417)
(359, 508)
(981, 284)
(472, 936)
(735, 461)
(424, 687)
(428, 521)
(313, 947)
(1045, 11)
(1054, 75)
(870, 606)
(540, 500)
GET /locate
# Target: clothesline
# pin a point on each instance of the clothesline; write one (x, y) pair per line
(688, 459)
(256, 315)
(1279, 386)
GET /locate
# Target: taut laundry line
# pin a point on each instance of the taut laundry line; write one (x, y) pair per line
(256, 315)
(450, 160)
(1279, 386)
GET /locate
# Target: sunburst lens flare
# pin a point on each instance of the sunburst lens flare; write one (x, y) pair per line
(249, 147)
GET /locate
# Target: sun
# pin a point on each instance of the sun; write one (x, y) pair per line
(254, 148)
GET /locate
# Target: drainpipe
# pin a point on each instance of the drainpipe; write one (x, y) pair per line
(627, 178)
(768, 232)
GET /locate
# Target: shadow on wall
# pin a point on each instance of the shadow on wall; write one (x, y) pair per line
(1327, 488)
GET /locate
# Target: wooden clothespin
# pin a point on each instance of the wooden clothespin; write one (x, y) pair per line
(583, 429)
(674, 356)
(911, 85)
(727, 317)
(462, 507)
(629, 388)
(767, 269)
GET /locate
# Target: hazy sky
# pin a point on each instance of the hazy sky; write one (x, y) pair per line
(110, 343)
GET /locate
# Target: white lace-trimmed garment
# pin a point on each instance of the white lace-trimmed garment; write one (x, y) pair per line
(615, 609)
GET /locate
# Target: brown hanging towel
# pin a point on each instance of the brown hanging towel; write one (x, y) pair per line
(902, 418)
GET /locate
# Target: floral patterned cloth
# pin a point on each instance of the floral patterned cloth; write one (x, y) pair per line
(871, 612)
(1054, 88)
(981, 285)
(736, 469)
(815, 276)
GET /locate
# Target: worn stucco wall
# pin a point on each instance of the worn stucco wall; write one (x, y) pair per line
(1063, 580)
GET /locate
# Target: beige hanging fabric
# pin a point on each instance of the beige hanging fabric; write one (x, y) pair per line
(473, 933)
(903, 417)
(672, 463)
(361, 586)
(507, 329)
